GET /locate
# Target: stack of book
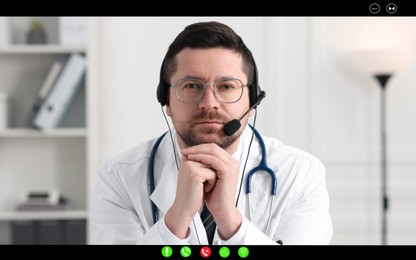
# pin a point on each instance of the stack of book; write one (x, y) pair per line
(42, 200)
(57, 92)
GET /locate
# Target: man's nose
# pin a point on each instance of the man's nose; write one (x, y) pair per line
(209, 100)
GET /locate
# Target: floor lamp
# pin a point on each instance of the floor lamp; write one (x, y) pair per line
(382, 64)
(382, 80)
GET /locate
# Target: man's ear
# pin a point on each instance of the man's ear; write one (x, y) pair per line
(168, 111)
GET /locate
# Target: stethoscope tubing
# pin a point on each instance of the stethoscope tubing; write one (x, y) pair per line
(151, 171)
(262, 166)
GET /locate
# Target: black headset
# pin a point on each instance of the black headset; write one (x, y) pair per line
(255, 92)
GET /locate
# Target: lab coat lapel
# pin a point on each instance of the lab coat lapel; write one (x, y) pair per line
(165, 190)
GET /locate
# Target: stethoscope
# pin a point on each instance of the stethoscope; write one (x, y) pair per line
(262, 166)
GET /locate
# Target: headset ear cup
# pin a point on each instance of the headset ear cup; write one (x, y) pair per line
(255, 92)
(162, 88)
(252, 94)
(161, 93)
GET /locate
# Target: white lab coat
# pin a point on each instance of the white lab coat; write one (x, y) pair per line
(121, 208)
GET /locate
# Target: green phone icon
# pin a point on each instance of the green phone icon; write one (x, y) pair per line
(186, 251)
(167, 251)
(243, 252)
(224, 252)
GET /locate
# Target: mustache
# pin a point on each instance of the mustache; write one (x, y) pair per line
(210, 115)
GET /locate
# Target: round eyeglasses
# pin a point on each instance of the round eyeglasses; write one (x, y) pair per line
(192, 90)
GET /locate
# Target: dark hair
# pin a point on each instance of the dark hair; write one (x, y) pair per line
(204, 35)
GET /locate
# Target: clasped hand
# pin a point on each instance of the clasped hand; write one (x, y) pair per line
(207, 173)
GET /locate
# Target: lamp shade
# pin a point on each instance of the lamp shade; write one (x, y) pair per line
(382, 61)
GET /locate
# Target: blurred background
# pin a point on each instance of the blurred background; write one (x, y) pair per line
(322, 96)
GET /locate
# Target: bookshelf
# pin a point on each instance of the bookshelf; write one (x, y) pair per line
(39, 49)
(31, 159)
(28, 133)
(42, 215)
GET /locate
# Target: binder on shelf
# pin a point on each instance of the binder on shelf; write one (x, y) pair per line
(23, 232)
(75, 232)
(50, 232)
(54, 106)
(5, 32)
(45, 89)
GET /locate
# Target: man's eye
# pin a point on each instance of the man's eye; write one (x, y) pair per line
(192, 86)
(224, 87)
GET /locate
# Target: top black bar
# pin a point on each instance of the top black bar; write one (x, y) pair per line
(175, 8)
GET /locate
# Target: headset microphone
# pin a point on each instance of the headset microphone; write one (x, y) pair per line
(231, 127)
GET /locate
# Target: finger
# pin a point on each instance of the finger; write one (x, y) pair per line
(208, 149)
(209, 184)
(199, 171)
(217, 164)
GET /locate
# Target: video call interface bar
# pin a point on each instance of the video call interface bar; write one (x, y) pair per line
(202, 252)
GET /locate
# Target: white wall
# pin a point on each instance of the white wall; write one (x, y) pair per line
(315, 101)
(345, 116)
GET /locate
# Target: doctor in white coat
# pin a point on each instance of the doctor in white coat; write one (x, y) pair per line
(208, 78)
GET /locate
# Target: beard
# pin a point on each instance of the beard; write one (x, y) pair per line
(193, 134)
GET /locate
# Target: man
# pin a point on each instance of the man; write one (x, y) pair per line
(167, 191)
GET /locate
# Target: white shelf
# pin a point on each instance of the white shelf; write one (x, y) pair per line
(40, 49)
(43, 215)
(31, 158)
(58, 132)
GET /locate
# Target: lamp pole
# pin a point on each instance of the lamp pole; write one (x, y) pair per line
(382, 80)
